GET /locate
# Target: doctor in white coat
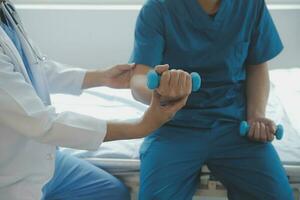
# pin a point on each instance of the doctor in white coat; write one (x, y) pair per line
(30, 129)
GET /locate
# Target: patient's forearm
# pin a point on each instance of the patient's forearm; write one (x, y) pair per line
(138, 84)
(258, 87)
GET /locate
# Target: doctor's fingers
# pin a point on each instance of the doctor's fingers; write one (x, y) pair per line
(175, 106)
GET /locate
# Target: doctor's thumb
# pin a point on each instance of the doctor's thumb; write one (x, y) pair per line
(126, 67)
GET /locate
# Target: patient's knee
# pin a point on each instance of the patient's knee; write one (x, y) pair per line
(282, 191)
(285, 194)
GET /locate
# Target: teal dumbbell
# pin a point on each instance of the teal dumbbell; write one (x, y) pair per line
(244, 129)
(153, 80)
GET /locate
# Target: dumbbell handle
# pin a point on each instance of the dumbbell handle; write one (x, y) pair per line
(244, 129)
(153, 80)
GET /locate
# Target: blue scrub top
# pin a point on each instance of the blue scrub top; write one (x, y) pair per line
(182, 34)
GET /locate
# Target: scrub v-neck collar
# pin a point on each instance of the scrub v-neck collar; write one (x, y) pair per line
(202, 19)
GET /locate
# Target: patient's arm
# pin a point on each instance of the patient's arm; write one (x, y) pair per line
(171, 86)
(157, 114)
(138, 84)
(258, 86)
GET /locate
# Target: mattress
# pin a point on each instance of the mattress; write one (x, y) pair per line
(121, 156)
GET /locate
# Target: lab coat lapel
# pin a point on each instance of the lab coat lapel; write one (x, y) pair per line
(39, 76)
(39, 82)
(12, 51)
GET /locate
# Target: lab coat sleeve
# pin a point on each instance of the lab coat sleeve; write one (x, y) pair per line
(62, 78)
(22, 111)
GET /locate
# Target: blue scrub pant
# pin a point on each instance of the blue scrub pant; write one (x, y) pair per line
(76, 179)
(172, 158)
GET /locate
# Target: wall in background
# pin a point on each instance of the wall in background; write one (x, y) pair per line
(123, 2)
(102, 35)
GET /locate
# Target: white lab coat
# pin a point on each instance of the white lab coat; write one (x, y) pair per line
(30, 129)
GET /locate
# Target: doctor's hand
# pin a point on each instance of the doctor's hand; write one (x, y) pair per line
(158, 114)
(154, 117)
(118, 76)
(261, 129)
(174, 84)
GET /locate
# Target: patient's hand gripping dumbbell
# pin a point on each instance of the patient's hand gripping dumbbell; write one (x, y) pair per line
(244, 129)
(153, 80)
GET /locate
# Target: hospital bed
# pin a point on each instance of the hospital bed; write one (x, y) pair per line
(121, 158)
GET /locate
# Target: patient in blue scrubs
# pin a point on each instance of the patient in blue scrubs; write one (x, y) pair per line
(228, 42)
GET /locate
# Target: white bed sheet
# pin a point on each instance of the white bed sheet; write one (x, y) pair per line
(105, 103)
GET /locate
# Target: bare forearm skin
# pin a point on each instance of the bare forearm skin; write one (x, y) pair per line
(93, 78)
(257, 90)
(125, 130)
(138, 84)
(134, 129)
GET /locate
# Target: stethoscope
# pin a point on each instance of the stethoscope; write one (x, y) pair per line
(15, 17)
(12, 15)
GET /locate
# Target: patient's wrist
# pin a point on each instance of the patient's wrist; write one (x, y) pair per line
(255, 114)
